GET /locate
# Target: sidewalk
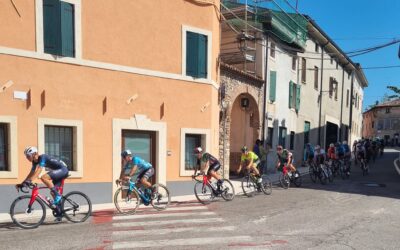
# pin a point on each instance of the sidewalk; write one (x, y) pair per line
(237, 182)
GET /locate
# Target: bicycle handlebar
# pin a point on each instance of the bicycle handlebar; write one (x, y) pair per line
(23, 187)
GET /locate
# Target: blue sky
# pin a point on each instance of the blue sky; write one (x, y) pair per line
(357, 24)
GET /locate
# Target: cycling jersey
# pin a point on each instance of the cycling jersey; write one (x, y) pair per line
(319, 157)
(308, 153)
(284, 156)
(331, 153)
(346, 148)
(340, 150)
(141, 164)
(50, 163)
(250, 156)
(206, 157)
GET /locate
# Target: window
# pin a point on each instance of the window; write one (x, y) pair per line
(331, 60)
(347, 98)
(333, 87)
(291, 147)
(282, 136)
(270, 136)
(191, 138)
(387, 110)
(4, 162)
(59, 143)
(59, 28)
(8, 147)
(303, 70)
(272, 49)
(294, 96)
(63, 139)
(294, 63)
(316, 47)
(373, 124)
(196, 54)
(191, 141)
(316, 77)
(272, 86)
(348, 75)
(307, 126)
(337, 65)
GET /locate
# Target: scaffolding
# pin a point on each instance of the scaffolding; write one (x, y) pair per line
(244, 26)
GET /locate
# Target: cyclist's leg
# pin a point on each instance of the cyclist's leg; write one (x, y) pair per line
(255, 169)
(291, 166)
(55, 176)
(213, 171)
(145, 176)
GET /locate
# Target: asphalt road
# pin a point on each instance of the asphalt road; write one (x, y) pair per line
(360, 213)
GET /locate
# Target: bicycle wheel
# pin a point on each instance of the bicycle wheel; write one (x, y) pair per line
(323, 176)
(266, 185)
(27, 218)
(203, 193)
(312, 173)
(126, 202)
(76, 206)
(228, 191)
(248, 186)
(297, 180)
(284, 179)
(160, 197)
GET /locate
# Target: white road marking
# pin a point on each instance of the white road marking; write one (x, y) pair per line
(170, 230)
(180, 242)
(165, 222)
(161, 215)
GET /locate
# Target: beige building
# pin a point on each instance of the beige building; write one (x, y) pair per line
(82, 80)
(383, 121)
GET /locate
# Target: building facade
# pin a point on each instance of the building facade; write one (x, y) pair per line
(82, 80)
(383, 121)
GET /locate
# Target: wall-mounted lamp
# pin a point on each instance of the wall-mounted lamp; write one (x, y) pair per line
(132, 98)
(205, 107)
(6, 86)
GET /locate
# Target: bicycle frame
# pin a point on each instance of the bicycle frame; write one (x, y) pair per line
(132, 187)
(36, 194)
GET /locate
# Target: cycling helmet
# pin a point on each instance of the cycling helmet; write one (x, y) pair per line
(331, 145)
(244, 149)
(29, 151)
(279, 147)
(337, 144)
(344, 142)
(126, 152)
(317, 147)
(308, 145)
(198, 150)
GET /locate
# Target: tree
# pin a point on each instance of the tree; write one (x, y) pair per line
(396, 90)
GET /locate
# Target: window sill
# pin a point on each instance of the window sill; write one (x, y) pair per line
(75, 174)
(8, 175)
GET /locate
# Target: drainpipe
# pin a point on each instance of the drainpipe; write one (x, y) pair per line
(264, 123)
(341, 109)
(320, 94)
(351, 103)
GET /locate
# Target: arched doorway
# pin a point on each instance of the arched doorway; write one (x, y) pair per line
(244, 127)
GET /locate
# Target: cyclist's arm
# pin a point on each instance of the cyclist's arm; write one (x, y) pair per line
(133, 170)
(33, 174)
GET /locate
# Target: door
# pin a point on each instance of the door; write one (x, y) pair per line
(142, 144)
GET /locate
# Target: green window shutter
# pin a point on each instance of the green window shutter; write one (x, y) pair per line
(202, 63)
(67, 30)
(298, 97)
(51, 27)
(291, 94)
(192, 54)
(272, 86)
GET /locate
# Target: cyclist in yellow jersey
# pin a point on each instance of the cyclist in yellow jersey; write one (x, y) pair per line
(251, 158)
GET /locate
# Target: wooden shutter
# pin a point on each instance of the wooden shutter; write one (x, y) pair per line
(298, 97)
(202, 60)
(67, 30)
(192, 41)
(291, 94)
(272, 86)
(52, 27)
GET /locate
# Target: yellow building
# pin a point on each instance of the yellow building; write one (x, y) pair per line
(82, 80)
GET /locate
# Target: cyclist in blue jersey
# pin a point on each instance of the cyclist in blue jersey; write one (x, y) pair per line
(58, 171)
(131, 164)
(309, 153)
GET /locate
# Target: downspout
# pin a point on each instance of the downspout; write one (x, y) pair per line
(351, 103)
(341, 110)
(320, 93)
(264, 124)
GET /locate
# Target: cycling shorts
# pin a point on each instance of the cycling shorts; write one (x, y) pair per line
(146, 174)
(58, 175)
(214, 167)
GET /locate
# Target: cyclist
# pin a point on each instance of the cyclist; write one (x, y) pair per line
(253, 161)
(131, 164)
(347, 155)
(58, 171)
(355, 151)
(331, 152)
(285, 157)
(339, 150)
(309, 153)
(319, 155)
(360, 151)
(205, 160)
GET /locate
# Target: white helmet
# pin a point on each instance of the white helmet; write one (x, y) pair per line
(29, 151)
(198, 150)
